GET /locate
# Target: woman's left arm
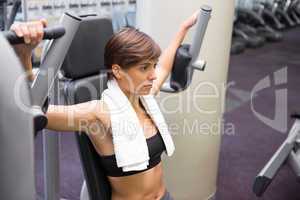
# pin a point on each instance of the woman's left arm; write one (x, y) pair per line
(167, 58)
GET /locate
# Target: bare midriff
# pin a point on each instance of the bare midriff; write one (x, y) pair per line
(147, 185)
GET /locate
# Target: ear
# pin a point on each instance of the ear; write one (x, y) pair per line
(116, 70)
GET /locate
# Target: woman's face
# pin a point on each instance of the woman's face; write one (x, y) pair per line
(138, 79)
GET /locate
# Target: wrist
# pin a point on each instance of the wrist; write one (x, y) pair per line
(25, 56)
(23, 52)
(30, 76)
(26, 62)
(183, 28)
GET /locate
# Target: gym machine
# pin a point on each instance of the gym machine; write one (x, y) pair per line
(21, 109)
(18, 169)
(264, 9)
(187, 56)
(276, 7)
(288, 152)
(289, 7)
(80, 75)
(7, 18)
(250, 20)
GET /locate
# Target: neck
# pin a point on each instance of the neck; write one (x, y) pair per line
(134, 100)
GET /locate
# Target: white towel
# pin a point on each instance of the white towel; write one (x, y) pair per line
(130, 146)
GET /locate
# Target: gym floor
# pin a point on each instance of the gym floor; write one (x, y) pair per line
(243, 154)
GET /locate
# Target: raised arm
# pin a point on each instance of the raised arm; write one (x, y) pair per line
(167, 58)
(33, 35)
(79, 117)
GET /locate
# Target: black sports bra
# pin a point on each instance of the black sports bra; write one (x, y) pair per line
(155, 148)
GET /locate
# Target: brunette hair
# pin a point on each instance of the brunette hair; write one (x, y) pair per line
(129, 47)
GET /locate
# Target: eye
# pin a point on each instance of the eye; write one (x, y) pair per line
(144, 67)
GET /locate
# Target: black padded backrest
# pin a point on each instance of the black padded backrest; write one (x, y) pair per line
(86, 54)
(83, 90)
(86, 82)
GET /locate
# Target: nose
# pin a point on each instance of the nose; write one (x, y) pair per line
(152, 75)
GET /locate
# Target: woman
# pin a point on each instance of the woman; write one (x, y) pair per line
(131, 56)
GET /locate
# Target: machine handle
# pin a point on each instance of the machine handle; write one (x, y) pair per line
(49, 33)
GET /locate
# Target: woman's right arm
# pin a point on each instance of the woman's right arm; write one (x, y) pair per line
(85, 117)
(79, 117)
(32, 32)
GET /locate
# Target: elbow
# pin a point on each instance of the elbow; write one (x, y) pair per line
(87, 124)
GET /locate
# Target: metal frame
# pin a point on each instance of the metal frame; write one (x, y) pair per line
(47, 79)
(289, 151)
(17, 171)
(202, 22)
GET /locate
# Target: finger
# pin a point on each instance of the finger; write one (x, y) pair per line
(40, 32)
(44, 22)
(33, 33)
(26, 33)
(195, 17)
(16, 28)
(196, 14)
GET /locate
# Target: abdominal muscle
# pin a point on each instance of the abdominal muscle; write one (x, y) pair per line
(147, 185)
